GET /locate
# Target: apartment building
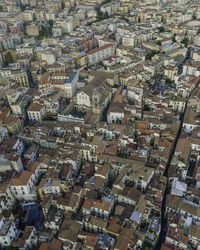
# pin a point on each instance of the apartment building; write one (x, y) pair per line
(28, 240)
(171, 72)
(7, 199)
(20, 76)
(28, 16)
(99, 208)
(49, 186)
(18, 100)
(129, 40)
(99, 54)
(36, 112)
(151, 45)
(6, 42)
(23, 187)
(8, 231)
(65, 81)
(32, 30)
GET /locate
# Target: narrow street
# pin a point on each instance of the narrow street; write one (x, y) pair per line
(163, 219)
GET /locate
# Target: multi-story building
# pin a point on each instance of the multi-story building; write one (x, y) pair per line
(99, 208)
(23, 187)
(129, 40)
(36, 112)
(171, 72)
(96, 95)
(32, 30)
(67, 82)
(49, 57)
(19, 100)
(28, 16)
(20, 76)
(49, 186)
(8, 231)
(28, 240)
(24, 49)
(99, 54)
(7, 199)
(6, 42)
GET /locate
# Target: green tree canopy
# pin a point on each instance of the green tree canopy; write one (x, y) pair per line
(159, 43)
(9, 248)
(161, 29)
(22, 7)
(51, 22)
(8, 58)
(44, 32)
(185, 41)
(174, 38)
(146, 107)
(151, 54)
(169, 82)
(101, 15)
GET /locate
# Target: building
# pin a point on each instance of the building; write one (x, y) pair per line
(96, 95)
(23, 187)
(6, 42)
(67, 82)
(98, 208)
(8, 231)
(27, 16)
(19, 100)
(32, 30)
(20, 76)
(28, 240)
(49, 186)
(99, 54)
(36, 112)
(7, 199)
(171, 72)
(13, 124)
(128, 40)
(53, 218)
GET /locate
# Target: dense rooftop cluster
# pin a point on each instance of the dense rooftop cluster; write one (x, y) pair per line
(99, 124)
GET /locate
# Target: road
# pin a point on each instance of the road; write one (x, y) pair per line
(156, 86)
(163, 219)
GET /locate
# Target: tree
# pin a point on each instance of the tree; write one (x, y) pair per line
(151, 54)
(174, 38)
(44, 32)
(169, 82)
(161, 29)
(51, 22)
(158, 43)
(101, 15)
(156, 76)
(8, 58)
(10, 248)
(22, 7)
(185, 41)
(105, 2)
(105, 15)
(146, 107)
